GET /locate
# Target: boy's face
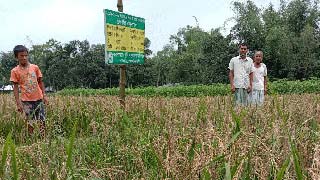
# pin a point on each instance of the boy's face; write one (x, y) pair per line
(243, 51)
(258, 58)
(23, 58)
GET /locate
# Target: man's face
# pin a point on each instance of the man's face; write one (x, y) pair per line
(23, 58)
(243, 51)
(258, 58)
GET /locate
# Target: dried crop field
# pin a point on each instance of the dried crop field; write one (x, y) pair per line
(164, 138)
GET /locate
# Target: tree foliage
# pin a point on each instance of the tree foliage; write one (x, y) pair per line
(289, 37)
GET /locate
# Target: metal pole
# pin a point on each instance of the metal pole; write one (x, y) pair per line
(122, 83)
(120, 6)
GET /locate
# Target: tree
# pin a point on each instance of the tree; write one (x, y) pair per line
(163, 65)
(277, 52)
(249, 25)
(291, 39)
(8, 62)
(295, 15)
(217, 54)
(190, 43)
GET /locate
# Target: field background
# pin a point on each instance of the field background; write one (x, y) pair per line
(179, 132)
(159, 137)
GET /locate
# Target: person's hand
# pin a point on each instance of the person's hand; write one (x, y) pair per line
(233, 89)
(45, 100)
(249, 89)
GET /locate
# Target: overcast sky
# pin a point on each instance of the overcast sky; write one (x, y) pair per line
(30, 22)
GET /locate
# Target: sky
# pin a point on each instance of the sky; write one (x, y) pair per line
(35, 22)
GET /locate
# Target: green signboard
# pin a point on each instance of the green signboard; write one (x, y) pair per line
(124, 38)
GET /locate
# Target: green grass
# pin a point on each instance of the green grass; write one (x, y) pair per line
(276, 87)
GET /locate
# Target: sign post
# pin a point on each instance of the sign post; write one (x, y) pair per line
(124, 42)
(122, 84)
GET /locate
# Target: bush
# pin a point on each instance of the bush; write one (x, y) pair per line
(276, 87)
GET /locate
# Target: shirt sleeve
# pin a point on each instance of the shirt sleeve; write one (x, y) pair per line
(251, 68)
(265, 71)
(14, 77)
(38, 72)
(231, 64)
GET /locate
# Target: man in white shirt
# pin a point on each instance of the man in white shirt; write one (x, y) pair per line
(259, 84)
(240, 75)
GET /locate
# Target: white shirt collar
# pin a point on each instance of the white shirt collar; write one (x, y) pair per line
(246, 59)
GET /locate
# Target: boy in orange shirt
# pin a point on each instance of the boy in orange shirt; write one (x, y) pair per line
(28, 77)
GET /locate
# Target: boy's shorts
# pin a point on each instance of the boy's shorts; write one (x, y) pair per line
(34, 110)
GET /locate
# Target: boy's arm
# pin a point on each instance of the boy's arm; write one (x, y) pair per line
(41, 84)
(231, 78)
(16, 96)
(231, 75)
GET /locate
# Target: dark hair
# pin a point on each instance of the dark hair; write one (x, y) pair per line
(243, 44)
(19, 48)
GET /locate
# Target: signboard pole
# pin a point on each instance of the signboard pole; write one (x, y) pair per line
(122, 84)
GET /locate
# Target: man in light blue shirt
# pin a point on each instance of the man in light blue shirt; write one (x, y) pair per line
(241, 76)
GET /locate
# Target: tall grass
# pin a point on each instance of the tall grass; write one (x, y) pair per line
(165, 138)
(9, 145)
(5, 155)
(69, 148)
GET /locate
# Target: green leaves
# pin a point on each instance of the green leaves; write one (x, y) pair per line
(69, 147)
(5, 154)
(9, 144)
(228, 172)
(283, 169)
(276, 87)
(296, 160)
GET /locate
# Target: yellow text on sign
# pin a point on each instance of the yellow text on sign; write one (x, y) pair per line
(121, 38)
